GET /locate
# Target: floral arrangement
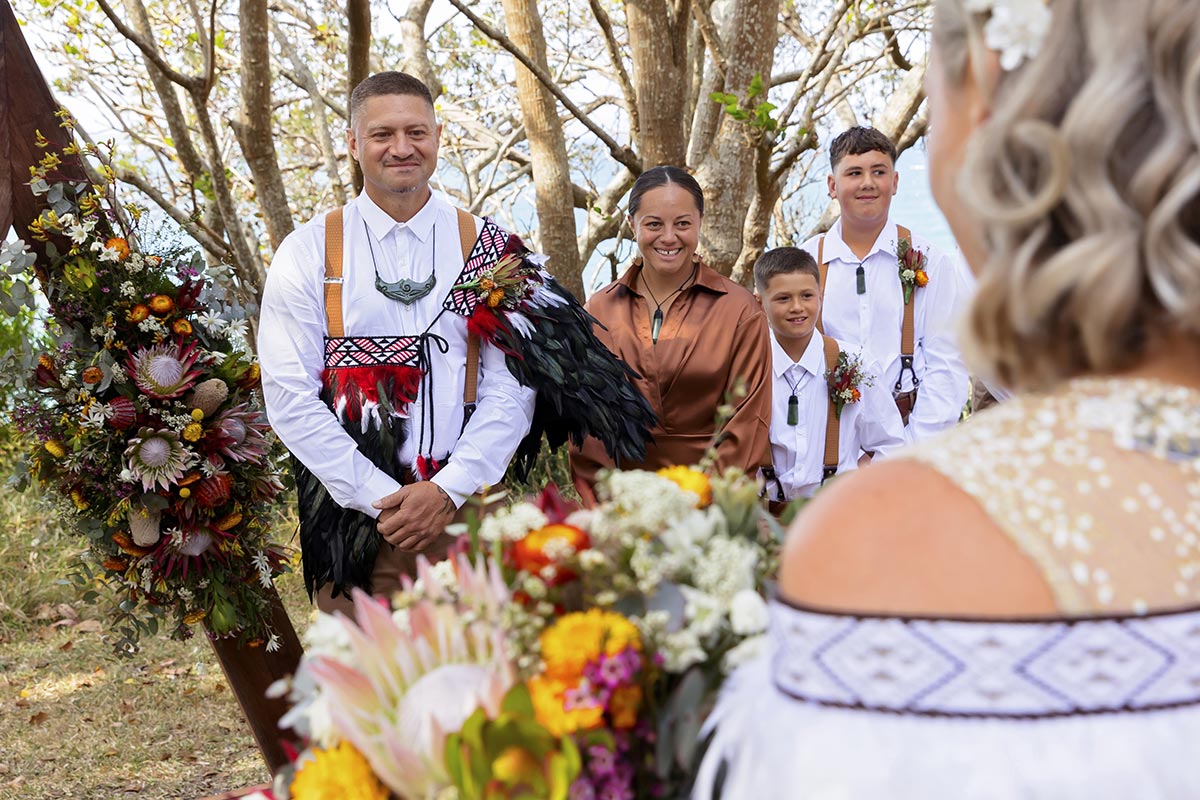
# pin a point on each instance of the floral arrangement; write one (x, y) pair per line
(913, 273)
(844, 379)
(562, 653)
(145, 418)
(1015, 28)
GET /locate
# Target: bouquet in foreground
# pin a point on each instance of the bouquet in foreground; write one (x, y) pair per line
(143, 414)
(560, 654)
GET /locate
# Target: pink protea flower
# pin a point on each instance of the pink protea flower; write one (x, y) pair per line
(417, 678)
(240, 434)
(164, 370)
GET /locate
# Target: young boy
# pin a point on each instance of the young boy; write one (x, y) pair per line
(864, 287)
(802, 414)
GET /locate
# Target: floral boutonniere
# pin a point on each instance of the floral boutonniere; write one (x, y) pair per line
(912, 268)
(844, 380)
(503, 285)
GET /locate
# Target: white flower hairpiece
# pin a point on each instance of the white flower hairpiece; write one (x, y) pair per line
(1015, 28)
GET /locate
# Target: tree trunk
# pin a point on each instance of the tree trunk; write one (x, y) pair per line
(728, 173)
(548, 146)
(416, 53)
(358, 57)
(658, 45)
(255, 134)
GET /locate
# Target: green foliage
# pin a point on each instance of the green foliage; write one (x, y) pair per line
(513, 756)
(552, 466)
(757, 116)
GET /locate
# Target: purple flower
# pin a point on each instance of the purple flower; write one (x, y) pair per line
(581, 789)
(616, 791)
(602, 762)
(580, 697)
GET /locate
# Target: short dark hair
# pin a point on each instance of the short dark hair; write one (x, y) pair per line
(784, 261)
(390, 82)
(858, 140)
(661, 176)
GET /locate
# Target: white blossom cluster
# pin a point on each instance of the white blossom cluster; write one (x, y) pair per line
(1015, 28)
(511, 524)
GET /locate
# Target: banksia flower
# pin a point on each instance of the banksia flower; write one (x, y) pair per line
(45, 374)
(129, 546)
(229, 521)
(146, 526)
(121, 413)
(115, 563)
(192, 617)
(55, 448)
(208, 397)
(213, 491)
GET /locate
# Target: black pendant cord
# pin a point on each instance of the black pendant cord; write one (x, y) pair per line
(405, 290)
(656, 322)
(793, 412)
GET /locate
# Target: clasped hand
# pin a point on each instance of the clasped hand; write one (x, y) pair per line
(415, 515)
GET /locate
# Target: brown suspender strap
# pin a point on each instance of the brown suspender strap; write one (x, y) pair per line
(333, 273)
(822, 271)
(907, 330)
(466, 238)
(832, 423)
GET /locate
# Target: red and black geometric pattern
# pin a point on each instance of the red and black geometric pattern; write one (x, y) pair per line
(488, 249)
(371, 351)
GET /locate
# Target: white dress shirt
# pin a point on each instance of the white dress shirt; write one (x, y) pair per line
(872, 424)
(873, 320)
(292, 329)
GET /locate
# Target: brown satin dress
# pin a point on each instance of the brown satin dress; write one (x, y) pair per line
(714, 333)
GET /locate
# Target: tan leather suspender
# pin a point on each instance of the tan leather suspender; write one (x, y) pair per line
(832, 423)
(334, 281)
(466, 237)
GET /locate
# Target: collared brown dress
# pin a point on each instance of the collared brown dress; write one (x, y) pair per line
(714, 333)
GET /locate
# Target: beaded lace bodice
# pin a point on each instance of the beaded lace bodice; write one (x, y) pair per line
(1098, 483)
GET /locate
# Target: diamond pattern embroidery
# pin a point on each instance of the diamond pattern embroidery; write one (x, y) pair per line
(371, 351)
(982, 668)
(488, 249)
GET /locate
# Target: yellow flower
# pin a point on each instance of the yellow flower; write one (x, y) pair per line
(185, 492)
(549, 706)
(192, 617)
(50, 161)
(197, 414)
(576, 639)
(40, 140)
(922, 278)
(339, 773)
(495, 296)
(690, 480)
(624, 706)
(55, 448)
(193, 431)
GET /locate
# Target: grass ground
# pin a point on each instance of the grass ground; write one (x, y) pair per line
(77, 721)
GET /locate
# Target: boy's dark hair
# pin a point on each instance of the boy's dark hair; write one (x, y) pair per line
(858, 140)
(783, 261)
(661, 176)
(390, 82)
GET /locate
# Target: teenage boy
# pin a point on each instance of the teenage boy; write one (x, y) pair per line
(810, 440)
(902, 315)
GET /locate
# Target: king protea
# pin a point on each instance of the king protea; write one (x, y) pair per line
(412, 684)
(164, 370)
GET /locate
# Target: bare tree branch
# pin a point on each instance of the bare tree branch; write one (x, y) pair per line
(618, 64)
(189, 82)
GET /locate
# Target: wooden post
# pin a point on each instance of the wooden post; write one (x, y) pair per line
(250, 670)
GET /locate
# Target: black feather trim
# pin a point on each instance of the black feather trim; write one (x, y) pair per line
(582, 388)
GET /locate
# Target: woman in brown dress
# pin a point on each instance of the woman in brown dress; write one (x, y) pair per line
(692, 335)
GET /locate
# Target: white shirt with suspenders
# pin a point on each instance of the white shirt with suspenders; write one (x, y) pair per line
(873, 319)
(291, 346)
(820, 444)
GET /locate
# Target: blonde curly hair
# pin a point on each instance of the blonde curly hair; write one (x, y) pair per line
(1086, 182)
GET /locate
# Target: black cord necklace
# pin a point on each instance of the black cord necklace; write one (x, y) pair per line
(656, 322)
(405, 290)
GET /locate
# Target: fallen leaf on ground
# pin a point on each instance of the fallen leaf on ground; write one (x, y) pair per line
(38, 718)
(89, 626)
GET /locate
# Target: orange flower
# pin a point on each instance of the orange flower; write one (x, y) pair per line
(690, 480)
(549, 705)
(922, 278)
(624, 706)
(115, 563)
(161, 304)
(228, 521)
(855, 395)
(182, 327)
(192, 617)
(120, 245)
(93, 375)
(138, 313)
(487, 284)
(495, 296)
(123, 541)
(529, 554)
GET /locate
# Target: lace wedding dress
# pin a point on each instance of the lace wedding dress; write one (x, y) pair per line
(1099, 484)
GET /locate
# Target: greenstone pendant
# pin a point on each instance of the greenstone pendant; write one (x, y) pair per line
(793, 417)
